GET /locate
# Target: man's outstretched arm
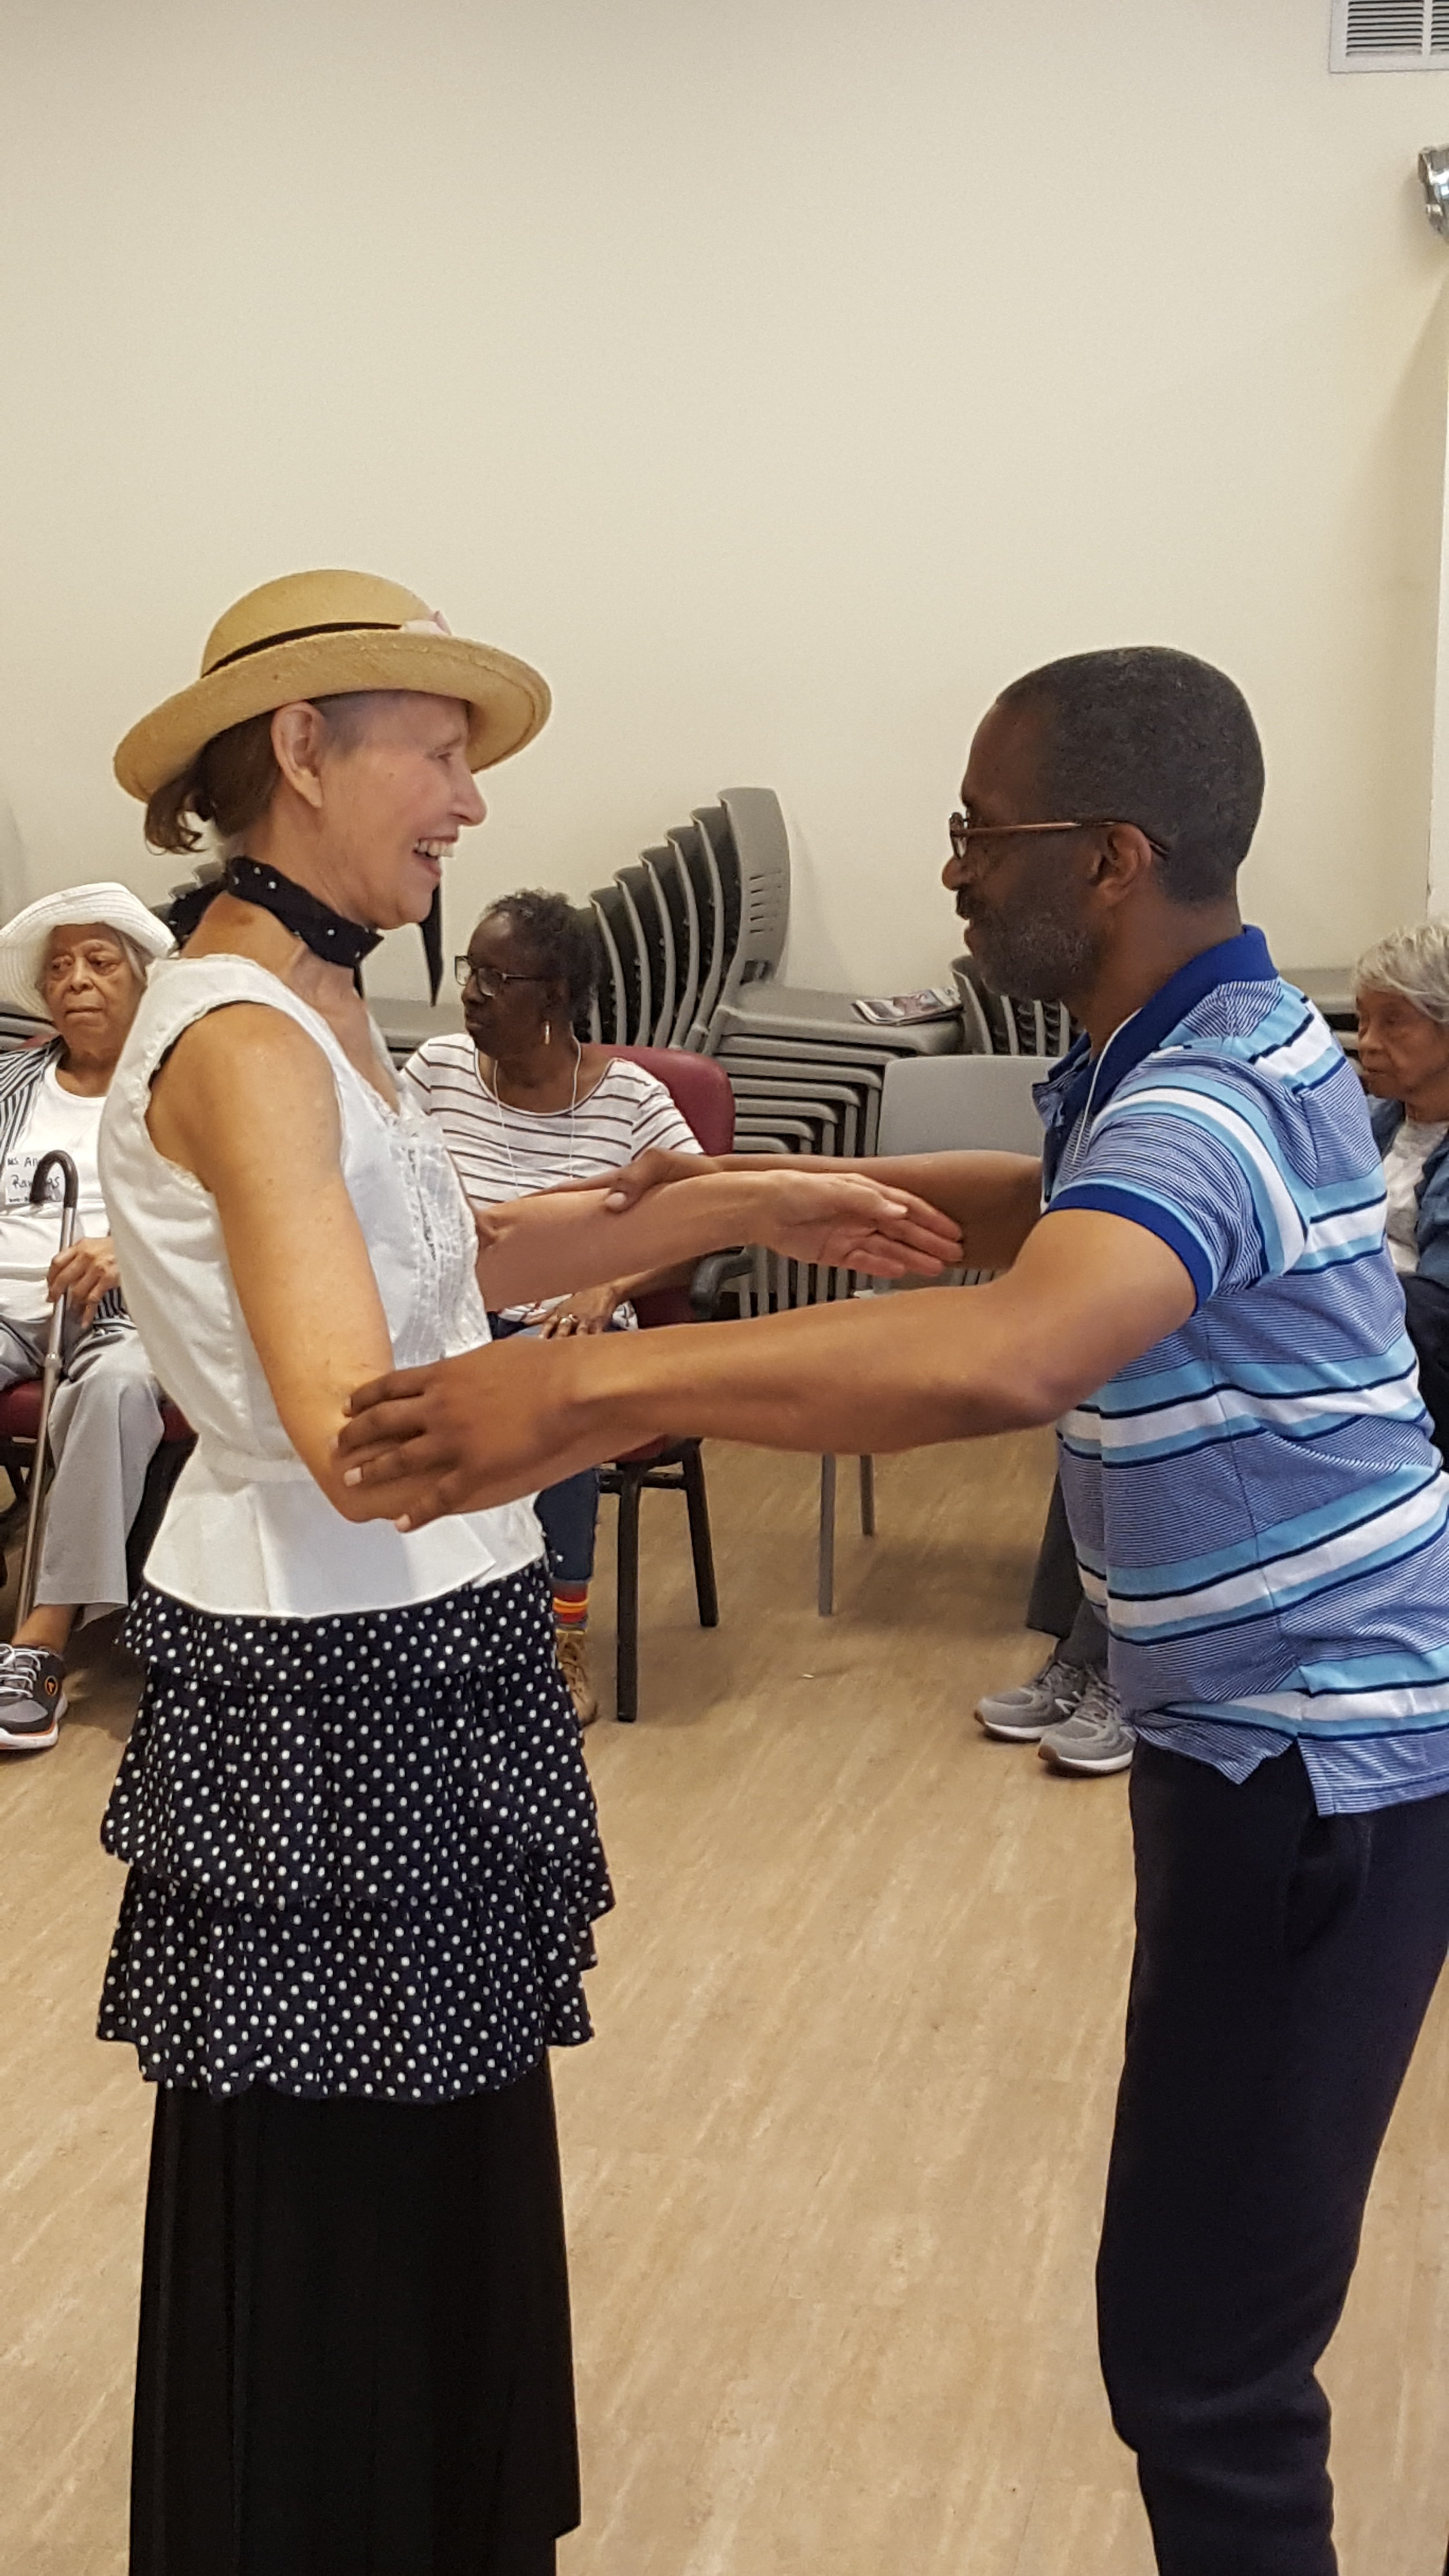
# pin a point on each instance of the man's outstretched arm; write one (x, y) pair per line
(1089, 1293)
(994, 1199)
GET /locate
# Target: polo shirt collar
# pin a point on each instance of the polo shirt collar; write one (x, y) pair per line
(1243, 959)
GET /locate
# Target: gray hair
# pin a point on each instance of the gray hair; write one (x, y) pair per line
(1413, 963)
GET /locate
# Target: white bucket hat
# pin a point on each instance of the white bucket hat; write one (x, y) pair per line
(23, 941)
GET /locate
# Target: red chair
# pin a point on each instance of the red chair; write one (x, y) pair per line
(19, 1424)
(700, 1090)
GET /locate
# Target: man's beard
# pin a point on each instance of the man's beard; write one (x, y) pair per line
(1042, 956)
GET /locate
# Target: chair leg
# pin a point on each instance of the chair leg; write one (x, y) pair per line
(701, 1546)
(626, 1707)
(825, 1583)
(867, 1498)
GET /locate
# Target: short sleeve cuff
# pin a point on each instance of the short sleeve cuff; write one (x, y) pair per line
(1112, 1198)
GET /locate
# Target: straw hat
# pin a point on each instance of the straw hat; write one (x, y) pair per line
(314, 635)
(23, 941)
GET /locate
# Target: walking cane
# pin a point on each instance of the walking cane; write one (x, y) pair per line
(50, 1373)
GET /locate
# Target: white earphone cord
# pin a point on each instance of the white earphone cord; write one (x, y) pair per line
(502, 1106)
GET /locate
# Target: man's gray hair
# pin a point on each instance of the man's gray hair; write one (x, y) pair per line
(1413, 963)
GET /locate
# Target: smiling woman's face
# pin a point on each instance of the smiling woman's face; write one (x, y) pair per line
(91, 989)
(396, 792)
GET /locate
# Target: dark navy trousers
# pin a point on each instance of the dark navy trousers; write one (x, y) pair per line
(1283, 1966)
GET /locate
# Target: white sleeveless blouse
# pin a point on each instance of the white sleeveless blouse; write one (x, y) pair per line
(249, 1532)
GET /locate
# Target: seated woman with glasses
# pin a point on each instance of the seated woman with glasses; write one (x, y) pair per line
(524, 1102)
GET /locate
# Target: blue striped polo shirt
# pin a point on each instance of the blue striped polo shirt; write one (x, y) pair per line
(1256, 1502)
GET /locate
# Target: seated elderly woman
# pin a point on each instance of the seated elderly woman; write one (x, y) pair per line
(523, 1103)
(1402, 993)
(79, 959)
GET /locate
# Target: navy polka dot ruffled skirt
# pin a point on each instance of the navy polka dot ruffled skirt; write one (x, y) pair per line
(364, 1856)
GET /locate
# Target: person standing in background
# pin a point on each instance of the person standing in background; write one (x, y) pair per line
(524, 1102)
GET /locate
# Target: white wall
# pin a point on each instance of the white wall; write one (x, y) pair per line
(781, 375)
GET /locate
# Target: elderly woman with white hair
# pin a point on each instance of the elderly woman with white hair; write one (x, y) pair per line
(1402, 994)
(79, 959)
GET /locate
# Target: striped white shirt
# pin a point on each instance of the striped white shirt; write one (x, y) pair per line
(504, 1153)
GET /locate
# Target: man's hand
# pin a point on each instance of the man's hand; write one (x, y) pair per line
(461, 1434)
(588, 1310)
(85, 1274)
(845, 1222)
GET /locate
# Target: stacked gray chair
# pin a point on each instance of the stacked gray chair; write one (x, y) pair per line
(998, 1024)
(698, 920)
(690, 942)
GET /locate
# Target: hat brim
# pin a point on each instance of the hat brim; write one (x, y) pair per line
(508, 701)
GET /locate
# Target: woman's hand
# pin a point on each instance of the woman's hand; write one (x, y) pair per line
(845, 1222)
(587, 1310)
(85, 1273)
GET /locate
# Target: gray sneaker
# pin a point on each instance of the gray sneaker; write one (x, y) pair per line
(32, 1698)
(1094, 1737)
(1022, 1715)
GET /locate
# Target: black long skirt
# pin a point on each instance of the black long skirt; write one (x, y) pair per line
(354, 2348)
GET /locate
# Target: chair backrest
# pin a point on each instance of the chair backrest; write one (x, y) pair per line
(717, 896)
(677, 885)
(700, 1091)
(698, 1087)
(761, 849)
(642, 911)
(942, 1103)
(657, 867)
(612, 998)
(1003, 1024)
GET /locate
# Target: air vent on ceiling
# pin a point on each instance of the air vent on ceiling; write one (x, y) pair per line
(1389, 36)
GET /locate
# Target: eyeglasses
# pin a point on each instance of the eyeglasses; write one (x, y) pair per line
(964, 833)
(491, 979)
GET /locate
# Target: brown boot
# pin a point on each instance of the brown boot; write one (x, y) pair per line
(572, 1649)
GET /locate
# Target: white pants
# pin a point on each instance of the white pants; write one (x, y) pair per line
(105, 1424)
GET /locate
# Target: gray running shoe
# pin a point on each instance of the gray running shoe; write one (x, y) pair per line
(1094, 1737)
(32, 1698)
(1022, 1715)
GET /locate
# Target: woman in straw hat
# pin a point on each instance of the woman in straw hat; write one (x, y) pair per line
(362, 1847)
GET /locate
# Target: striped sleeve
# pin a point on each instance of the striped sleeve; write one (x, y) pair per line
(1197, 1161)
(658, 1122)
(417, 1073)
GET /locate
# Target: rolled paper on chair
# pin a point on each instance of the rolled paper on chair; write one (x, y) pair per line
(50, 1372)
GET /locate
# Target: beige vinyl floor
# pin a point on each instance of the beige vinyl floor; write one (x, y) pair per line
(834, 2161)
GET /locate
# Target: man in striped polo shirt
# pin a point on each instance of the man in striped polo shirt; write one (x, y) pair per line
(1196, 1288)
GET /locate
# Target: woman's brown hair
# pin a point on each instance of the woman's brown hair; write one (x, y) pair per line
(234, 777)
(230, 784)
